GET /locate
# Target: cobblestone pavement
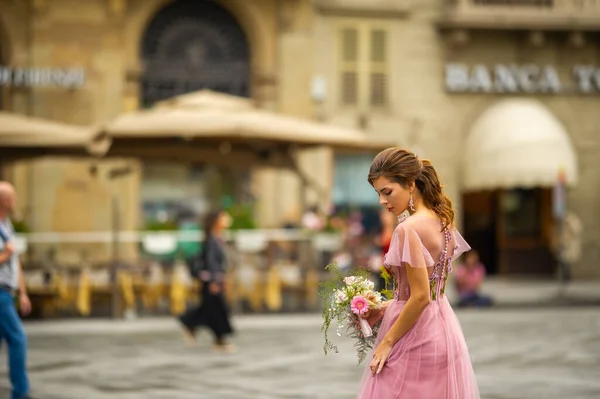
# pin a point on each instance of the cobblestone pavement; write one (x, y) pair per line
(526, 354)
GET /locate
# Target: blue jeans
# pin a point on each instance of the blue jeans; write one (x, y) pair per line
(11, 330)
(475, 299)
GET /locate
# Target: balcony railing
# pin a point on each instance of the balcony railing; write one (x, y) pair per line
(536, 3)
(523, 14)
(364, 8)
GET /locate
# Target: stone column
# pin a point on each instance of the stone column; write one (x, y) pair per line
(264, 180)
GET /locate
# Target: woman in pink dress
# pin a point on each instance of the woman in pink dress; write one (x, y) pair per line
(420, 352)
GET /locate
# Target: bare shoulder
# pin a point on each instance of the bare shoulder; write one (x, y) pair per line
(420, 221)
(409, 225)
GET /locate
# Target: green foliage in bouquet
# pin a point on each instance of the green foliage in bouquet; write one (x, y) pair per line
(327, 290)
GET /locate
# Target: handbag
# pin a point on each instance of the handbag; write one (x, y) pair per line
(196, 265)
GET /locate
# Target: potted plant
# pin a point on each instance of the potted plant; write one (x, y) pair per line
(21, 231)
(160, 238)
(248, 238)
(330, 237)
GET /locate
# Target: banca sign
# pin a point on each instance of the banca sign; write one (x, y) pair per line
(529, 78)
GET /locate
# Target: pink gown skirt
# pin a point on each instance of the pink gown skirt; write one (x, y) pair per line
(430, 362)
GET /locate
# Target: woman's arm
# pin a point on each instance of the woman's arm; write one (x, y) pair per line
(418, 280)
(213, 265)
(212, 258)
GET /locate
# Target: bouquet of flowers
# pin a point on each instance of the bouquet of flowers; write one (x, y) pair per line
(346, 299)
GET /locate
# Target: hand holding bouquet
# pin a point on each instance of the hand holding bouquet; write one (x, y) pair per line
(349, 300)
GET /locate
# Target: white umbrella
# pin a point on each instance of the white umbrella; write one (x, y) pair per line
(23, 136)
(207, 115)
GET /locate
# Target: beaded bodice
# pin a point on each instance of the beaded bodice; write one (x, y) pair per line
(438, 273)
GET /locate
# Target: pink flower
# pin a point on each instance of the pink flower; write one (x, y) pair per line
(359, 305)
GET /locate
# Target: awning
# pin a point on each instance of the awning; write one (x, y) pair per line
(208, 125)
(517, 143)
(23, 137)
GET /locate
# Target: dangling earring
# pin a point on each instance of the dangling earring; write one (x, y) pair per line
(411, 204)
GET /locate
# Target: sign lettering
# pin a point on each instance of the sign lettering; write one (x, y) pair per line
(528, 78)
(42, 77)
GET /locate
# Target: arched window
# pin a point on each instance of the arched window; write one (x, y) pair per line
(194, 45)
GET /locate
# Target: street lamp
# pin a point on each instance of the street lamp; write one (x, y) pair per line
(318, 92)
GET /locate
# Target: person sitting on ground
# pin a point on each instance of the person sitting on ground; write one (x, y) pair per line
(469, 277)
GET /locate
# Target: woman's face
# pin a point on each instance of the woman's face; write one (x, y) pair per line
(392, 196)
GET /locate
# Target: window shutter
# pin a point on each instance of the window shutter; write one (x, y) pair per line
(378, 75)
(349, 66)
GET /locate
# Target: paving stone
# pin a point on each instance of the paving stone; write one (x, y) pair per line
(517, 354)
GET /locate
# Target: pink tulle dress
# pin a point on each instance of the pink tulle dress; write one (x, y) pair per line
(431, 361)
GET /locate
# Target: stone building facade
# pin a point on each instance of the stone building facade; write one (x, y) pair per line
(422, 74)
(119, 46)
(500, 95)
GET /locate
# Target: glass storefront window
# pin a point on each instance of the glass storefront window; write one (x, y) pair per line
(350, 181)
(521, 212)
(177, 192)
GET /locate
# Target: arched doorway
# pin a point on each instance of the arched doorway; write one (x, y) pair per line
(194, 45)
(514, 155)
(189, 46)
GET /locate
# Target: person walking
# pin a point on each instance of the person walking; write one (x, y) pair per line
(11, 285)
(213, 311)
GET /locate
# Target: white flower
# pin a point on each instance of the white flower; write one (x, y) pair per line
(350, 280)
(373, 297)
(363, 284)
(340, 296)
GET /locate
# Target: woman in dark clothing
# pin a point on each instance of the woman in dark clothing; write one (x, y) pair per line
(210, 269)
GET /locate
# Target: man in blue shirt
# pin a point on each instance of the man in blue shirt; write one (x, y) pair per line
(11, 284)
